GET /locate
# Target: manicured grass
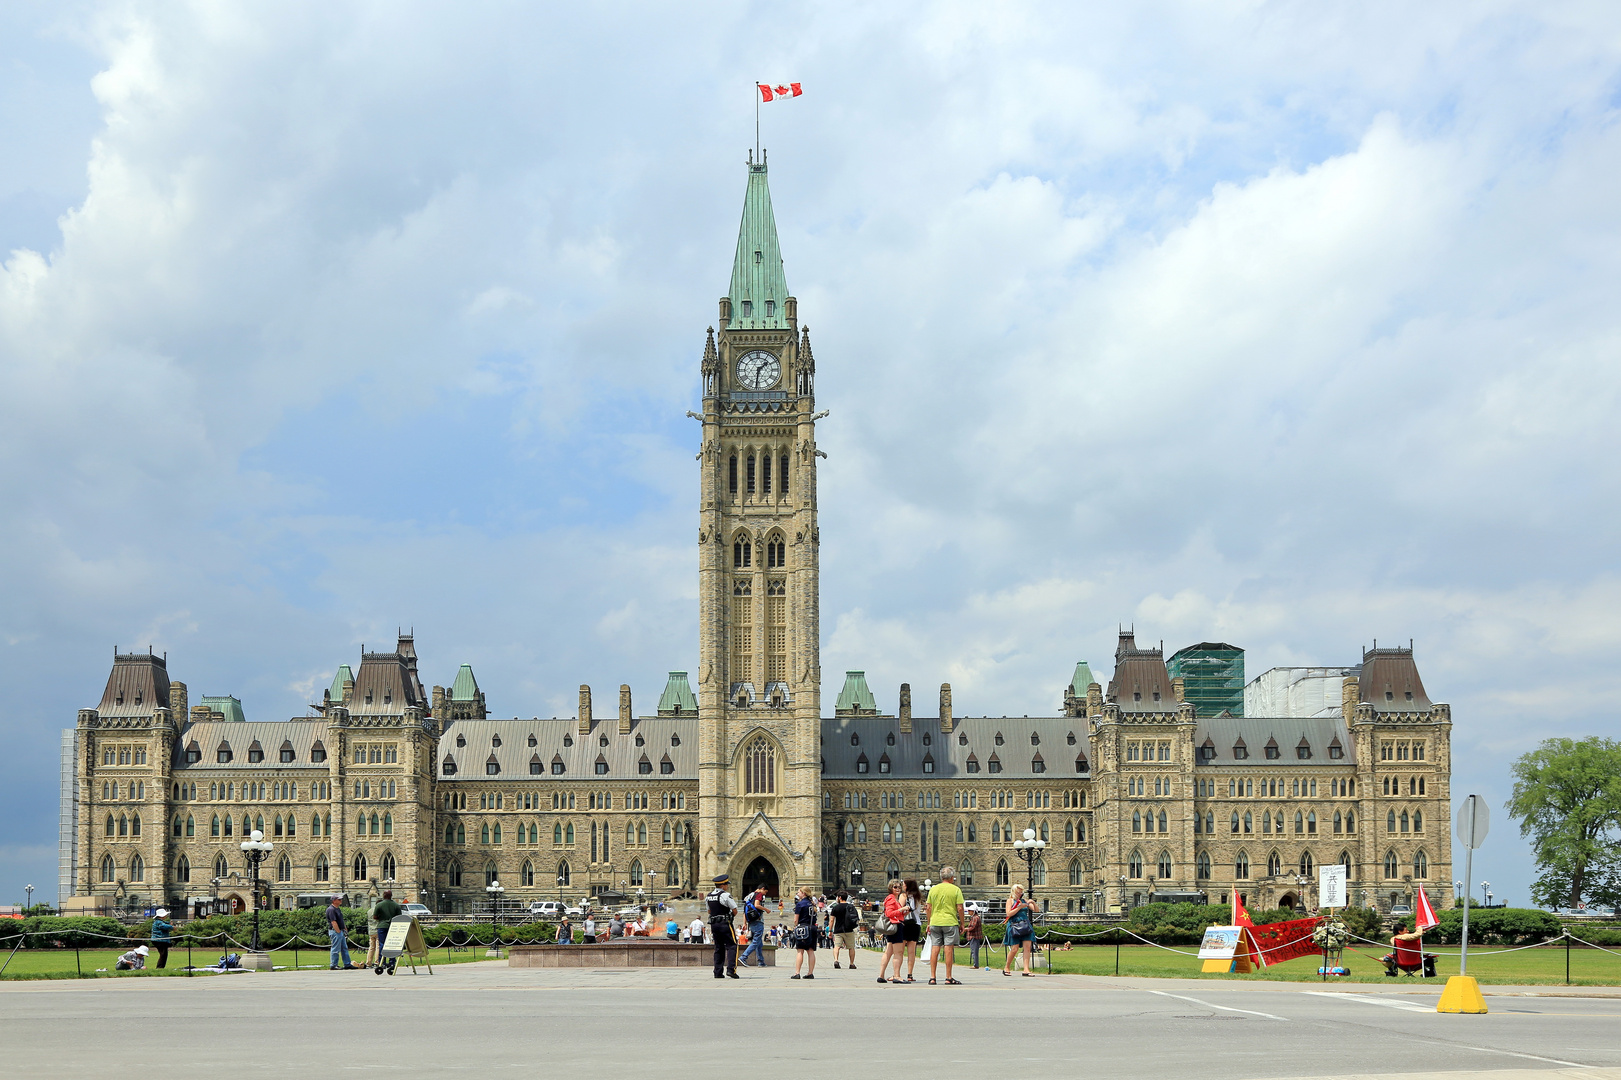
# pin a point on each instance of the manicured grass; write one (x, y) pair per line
(59, 963)
(1532, 967)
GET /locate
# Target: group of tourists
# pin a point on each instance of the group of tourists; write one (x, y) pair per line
(906, 918)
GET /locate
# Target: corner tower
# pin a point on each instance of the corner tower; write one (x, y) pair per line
(759, 672)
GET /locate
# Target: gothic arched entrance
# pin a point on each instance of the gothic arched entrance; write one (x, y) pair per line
(761, 874)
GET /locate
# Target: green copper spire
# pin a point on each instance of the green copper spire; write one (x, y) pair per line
(677, 697)
(759, 286)
(1082, 679)
(465, 688)
(855, 697)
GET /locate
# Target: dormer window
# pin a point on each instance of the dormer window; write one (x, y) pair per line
(137, 697)
(1409, 695)
(675, 740)
(1303, 751)
(492, 767)
(928, 763)
(998, 738)
(495, 740)
(287, 754)
(666, 766)
(1071, 738)
(973, 763)
(1080, 764)
(862, 765)
(448, 766)
(388, 697)
(536, 766)
(194, 754)
(1335, 750)
(883, 764)
(770, 308)
(1156, 695)
(1035, 739)
(855, 740)
(568, 740)
(602, 765)
(890, 740)
(533, 741)
(1240, 751)
(602, 740)
(1037, 764)
(461, 740)
(962, 739)
(368, 697)
(223, 755)
(1389, 696)
(995, 764)
(558, 768)
(1136, 695)
(318, 753)
(748, 305)
(640, 741)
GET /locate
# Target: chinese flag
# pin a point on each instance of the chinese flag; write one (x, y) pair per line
(1240, 916)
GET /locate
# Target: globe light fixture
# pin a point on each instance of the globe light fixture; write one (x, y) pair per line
(256, 849)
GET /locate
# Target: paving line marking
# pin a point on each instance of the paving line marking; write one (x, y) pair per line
(1515, 1053)
(1224, 1008)
(1404, 1006)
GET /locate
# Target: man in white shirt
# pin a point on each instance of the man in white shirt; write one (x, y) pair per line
(695, 932)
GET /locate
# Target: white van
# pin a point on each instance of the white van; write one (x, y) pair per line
(546, 909)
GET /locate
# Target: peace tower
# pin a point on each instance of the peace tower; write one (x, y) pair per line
(759, 670)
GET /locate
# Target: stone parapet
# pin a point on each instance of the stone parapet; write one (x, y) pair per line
(625, 952)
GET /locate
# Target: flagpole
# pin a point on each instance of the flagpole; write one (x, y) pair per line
(756, 118)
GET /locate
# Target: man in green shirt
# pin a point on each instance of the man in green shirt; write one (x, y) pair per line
(946, 918)
(382, 913)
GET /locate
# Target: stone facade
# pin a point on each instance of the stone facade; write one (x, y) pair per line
(389, 785)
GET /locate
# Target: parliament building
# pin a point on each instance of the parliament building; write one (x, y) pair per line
(1176, 777)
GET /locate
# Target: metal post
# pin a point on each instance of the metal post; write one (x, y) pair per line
(191, 969)
(1567, 957)
(1463, 955)
(1117, 951)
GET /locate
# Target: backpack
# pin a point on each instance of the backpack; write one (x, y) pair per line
(848, 919)
(752, 911)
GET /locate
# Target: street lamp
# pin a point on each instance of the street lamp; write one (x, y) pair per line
(494, 890)
(1485, 892)
(1029, 849)
(256, 849)
(29, 889)
(1457, 890)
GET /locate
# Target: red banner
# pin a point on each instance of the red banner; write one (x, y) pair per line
(1277, 942)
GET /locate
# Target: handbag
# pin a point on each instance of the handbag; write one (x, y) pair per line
(882, 925)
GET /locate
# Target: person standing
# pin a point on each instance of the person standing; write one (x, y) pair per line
(912, 928)
(721, 910)
(590, 928)
(337, 937)
(161, 933)
(616, 927)
(804, 932)
(894, 937)
(374, 940)
(565, 931)
(1019, 929)
(384, 912)
(976, 938)
(754, 916)
(845, 918)
(946, 918)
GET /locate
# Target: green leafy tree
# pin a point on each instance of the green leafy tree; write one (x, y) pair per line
(1567, 799)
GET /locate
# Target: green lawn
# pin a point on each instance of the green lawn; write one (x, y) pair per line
(1544, 966)
(1588, 967)
(59, 963)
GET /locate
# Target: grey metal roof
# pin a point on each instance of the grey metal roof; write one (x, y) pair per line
(137, 684)
(477, 738)
(1016, 753)
(1318, 731)
(241, 734)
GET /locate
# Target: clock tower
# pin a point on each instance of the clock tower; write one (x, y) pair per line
(759, 688)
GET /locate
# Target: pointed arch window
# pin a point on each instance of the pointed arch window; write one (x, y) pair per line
(1308, 865)
(1134, 865)
(182, 869)
(1241, 866)
(1274, 864)
(453, 873)
(137, 868)
(220, 866)
(760, 767)
(389, 866)
(107, 868)
(360, 867)
(1202, 866)
(284, 869)
(1421, 865)
(1392, 867)
(1164, 866)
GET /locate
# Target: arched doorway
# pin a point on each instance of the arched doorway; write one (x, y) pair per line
(1288, 901)
(238, 905)
(760, 874)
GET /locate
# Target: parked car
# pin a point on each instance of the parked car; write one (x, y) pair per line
(574, 912)
(546, 909)
(981, 906)
(630, 912)
(417, 911)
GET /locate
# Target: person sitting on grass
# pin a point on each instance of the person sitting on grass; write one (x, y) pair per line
(134, 960)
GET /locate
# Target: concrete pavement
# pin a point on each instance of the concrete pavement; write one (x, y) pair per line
(486, 1017)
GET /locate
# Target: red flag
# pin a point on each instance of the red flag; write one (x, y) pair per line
(771, 93)
(1240, 916)
(1426, 914)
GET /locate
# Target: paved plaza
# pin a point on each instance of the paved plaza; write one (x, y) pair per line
(486, 1018)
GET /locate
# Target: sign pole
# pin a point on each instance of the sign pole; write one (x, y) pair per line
(1462, 993)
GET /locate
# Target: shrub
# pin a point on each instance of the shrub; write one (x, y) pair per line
(74, 931)
(1503, 926)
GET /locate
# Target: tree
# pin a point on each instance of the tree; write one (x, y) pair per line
(1567, 799)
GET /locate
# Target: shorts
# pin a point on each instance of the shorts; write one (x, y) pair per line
(845, 940)
(944, 937)
(911, 931)
(896, 934)
(1019, 936)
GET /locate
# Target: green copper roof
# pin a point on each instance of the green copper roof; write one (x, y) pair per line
(344, 675)
(465, 688)
(1083, 678)
(230, 707)
(855, 694)
(677, 694)
(758, 284)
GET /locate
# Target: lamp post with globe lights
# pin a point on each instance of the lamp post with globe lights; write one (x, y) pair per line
(1486, 892)
(1029, 849)
(29, 902)
(256, 849)
(494, 890)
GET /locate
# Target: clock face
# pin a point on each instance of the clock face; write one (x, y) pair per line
(758, 370)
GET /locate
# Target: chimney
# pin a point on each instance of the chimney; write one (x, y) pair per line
(1350, 694)
(624, 709)
(906, 708)
(1094, 699)
(439, 702)
(348, 691)
(177, 702)
(945, 708)
(1178, 690)
(585, 710)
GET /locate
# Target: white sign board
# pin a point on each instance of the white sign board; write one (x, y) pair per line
(1473, 821)
(1220, 942)
(1331, 885)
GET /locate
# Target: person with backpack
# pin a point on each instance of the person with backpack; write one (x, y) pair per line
(845, 918)
(754, 915)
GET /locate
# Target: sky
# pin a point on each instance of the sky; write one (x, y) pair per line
(1290, 325)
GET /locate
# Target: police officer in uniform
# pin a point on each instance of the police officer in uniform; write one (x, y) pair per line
(721, 910)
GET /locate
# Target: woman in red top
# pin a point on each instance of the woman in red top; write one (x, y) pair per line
(896, 911)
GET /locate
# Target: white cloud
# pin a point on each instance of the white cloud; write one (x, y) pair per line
(1284, 326)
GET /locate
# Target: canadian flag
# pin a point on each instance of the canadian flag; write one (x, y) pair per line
(771, 93)
(1426, 914)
